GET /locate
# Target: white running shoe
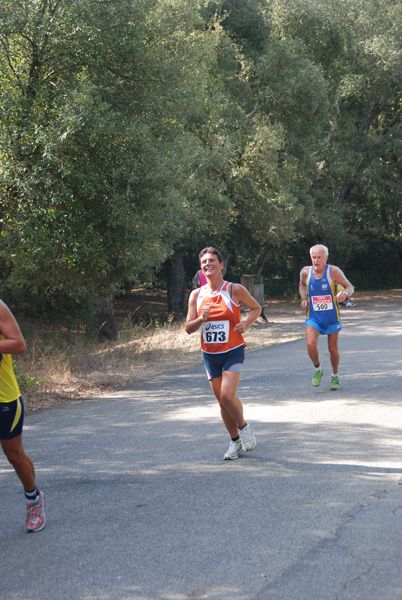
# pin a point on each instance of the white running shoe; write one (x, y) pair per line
(247, 438)
(233, 451)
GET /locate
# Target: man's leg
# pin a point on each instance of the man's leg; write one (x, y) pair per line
(333, 351)
(334, 356)
(311, 341)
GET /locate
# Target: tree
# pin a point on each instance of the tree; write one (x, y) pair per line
(358, 48)
(281, 100)
(103, 165)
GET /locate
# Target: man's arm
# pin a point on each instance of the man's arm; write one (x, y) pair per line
(303, 287)
(338, 276)
(14, 342)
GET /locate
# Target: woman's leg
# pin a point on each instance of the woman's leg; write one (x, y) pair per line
(225, 389)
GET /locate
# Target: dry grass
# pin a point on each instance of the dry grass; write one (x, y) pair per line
(71, 367)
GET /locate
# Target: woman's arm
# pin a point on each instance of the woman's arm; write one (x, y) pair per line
(193, 322)
(241, 295)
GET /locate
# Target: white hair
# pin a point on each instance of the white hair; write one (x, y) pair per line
(326, 251)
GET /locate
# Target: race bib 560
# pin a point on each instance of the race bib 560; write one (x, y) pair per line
(322, 302)
(215, 332)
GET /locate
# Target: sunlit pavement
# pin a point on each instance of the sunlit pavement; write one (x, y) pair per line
(140, 504)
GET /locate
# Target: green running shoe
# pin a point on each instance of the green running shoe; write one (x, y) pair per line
(317, 377)
(335, 385)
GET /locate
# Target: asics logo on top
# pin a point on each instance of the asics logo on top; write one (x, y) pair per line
(214, 326)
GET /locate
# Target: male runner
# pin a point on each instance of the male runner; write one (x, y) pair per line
(319, 297)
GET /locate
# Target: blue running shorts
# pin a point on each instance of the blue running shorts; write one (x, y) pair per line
(216, 363)
(325, 328)
(11, 419)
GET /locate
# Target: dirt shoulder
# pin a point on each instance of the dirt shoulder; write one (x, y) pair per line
(122, 364)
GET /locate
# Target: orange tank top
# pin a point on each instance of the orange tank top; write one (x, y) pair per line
(218, 332)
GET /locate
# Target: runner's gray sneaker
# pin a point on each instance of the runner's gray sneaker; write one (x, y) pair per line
(247, 437)
(233, 451)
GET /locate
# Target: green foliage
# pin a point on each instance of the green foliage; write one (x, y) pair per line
(110, 171)
(243, 20)
(376, 265)
(131, 130)
(25, 383)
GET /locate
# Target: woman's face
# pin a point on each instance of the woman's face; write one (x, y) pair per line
(210, 264)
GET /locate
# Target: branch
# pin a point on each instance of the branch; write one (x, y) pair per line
(374, 114)
(7, 53)
(258, 191)
(254, 109)
(334, 126)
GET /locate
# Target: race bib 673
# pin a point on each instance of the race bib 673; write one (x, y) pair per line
(215, 332)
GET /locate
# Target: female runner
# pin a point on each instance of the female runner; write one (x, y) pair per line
(214, 309)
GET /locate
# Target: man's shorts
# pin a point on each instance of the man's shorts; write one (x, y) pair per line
(325, 328)
(216, 364)
(11, 419)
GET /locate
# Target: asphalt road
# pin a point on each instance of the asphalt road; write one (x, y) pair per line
(141, 506)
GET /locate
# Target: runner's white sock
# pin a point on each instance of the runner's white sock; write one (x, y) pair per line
(32, 497)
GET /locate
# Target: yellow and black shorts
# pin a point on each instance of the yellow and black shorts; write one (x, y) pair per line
(11, 419)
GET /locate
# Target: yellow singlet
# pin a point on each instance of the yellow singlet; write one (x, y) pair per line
(9, 390)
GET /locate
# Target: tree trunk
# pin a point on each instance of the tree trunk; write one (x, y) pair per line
(347, 186)
(266, 251)
(345, 191)
(176, 285)
(297, 266)
(107, 322)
